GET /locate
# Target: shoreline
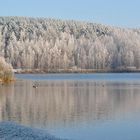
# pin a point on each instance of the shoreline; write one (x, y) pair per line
(38, 71)
(12, 131)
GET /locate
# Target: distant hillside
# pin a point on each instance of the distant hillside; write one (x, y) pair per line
(52, 45)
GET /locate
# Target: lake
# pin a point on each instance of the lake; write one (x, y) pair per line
(75, 106)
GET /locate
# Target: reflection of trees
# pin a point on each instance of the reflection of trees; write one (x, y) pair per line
(67, 101)
(5, 94)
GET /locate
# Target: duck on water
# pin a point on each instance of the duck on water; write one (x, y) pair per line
(35, 85)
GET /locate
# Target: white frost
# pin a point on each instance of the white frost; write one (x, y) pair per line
(13, 131)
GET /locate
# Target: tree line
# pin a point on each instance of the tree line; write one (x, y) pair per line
(49, 44)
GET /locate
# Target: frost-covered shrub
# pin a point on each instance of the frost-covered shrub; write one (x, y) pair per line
(6, 72)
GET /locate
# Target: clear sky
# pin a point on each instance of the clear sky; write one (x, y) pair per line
(124, 13)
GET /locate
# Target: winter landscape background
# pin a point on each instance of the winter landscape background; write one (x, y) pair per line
(53, 45)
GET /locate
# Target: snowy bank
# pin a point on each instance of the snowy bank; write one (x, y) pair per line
(13, 131)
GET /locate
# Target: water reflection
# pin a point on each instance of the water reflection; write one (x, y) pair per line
(56, 103)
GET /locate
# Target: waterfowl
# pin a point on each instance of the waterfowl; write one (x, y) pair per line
(35, 85)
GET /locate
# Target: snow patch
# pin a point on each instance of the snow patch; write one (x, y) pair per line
(13, 131)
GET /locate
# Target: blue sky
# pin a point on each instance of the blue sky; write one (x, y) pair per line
(123, 13)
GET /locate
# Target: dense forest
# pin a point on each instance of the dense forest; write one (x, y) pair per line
(49, 44)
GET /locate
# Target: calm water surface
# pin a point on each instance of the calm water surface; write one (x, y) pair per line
(76, 106)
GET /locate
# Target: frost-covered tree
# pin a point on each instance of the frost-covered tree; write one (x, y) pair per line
(48, 44)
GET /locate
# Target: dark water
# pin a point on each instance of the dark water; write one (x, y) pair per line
(76, 106)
